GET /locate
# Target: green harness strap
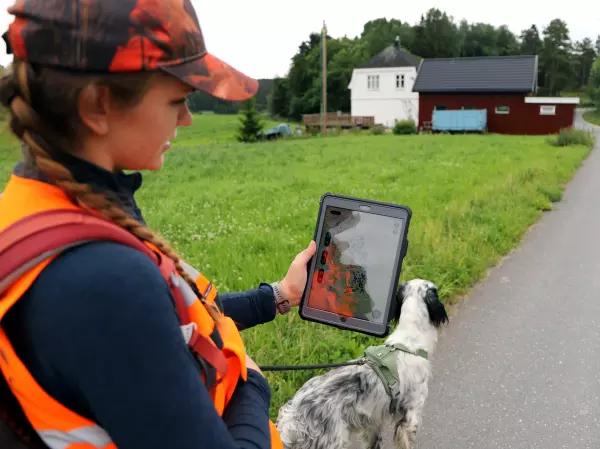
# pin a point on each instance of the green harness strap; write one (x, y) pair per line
(383, 360)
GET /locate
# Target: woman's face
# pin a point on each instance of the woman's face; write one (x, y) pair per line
(136, 138)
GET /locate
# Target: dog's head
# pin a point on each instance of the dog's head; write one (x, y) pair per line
(426, 293)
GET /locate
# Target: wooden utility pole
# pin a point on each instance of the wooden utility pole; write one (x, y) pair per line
(324, 80)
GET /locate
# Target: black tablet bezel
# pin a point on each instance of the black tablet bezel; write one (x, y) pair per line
(369, 206)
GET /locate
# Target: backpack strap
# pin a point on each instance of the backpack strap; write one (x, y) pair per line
(39, 236)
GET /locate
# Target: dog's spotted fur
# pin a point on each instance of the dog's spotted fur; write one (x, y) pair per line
(349, 407)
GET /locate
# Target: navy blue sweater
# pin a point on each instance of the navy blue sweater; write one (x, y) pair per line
(99, 332)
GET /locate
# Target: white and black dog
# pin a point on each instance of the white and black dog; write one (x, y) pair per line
(350, 407)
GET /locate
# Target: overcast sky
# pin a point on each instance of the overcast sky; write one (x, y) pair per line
(261, 37)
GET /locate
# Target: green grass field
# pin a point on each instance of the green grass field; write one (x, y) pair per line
(215, 129)
(241, 212)
(592, 116)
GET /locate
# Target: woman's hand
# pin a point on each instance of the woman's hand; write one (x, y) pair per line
(295, 280)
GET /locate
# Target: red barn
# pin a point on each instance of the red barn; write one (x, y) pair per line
(503, 85)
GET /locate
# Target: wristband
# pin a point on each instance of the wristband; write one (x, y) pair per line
(281, 301)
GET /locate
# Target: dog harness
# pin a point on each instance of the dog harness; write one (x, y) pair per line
(383, 360)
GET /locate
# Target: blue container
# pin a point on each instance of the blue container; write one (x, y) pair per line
(464, 120)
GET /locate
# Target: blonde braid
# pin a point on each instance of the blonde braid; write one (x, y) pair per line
(25, 122)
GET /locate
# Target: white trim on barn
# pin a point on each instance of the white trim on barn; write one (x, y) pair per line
(552, 100)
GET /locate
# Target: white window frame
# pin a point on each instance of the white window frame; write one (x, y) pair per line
(373, 82)
(400, 80)
(502, 112)
(548, 109)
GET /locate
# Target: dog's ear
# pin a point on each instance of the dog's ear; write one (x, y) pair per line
(399, 301)
(436, 309)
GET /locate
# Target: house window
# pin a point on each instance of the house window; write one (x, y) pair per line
(373, 82)
(399, 81)
(548, 110)
(503, 110)
(440, 107)
(469, 107)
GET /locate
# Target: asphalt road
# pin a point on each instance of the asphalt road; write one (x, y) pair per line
(519, 365)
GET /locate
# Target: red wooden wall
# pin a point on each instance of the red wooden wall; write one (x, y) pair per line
(523, 118)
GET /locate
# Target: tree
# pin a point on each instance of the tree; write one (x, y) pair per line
(482, 39)
(303, 74)
(555, 57)
(436, 36)
(531, 43)
(380, 33)
(479, 40)
(343, 55)
(279, 98)
(594, 84)
(583, 57)
(506, 42)
(250, 123)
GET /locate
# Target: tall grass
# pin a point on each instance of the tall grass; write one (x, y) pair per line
(574, 136)
(241, 213)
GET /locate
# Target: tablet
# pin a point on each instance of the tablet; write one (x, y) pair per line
(354, 274)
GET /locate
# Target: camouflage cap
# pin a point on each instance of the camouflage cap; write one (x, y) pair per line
(102, 36)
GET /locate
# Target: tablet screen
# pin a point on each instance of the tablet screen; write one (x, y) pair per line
(355, 264)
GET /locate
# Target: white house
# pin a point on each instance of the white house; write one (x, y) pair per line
(382, 87)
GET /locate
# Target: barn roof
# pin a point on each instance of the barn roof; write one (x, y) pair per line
(478, 74)
(392, 56)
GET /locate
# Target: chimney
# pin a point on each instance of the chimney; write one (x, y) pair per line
(397, 43)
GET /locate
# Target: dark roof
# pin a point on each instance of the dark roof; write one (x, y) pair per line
(392, 57)
(478, 74)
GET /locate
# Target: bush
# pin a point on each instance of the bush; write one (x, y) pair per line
(574, 136)
(405, 127)
(378, 130)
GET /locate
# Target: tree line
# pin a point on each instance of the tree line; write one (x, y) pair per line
(564, 65)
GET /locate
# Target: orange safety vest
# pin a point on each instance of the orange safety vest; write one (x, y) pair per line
(218, 347)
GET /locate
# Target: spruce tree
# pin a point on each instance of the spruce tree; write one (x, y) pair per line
(250, 122)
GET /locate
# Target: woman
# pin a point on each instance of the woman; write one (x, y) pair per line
(95, 334)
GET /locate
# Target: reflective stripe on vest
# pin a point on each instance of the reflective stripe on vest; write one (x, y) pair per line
(92, 436)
